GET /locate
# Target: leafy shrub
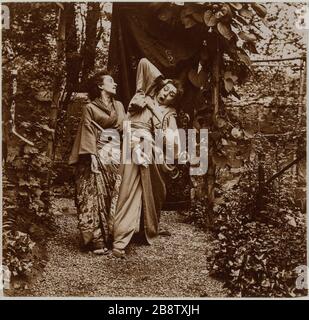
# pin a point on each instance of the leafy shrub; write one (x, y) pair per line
(197, 215)
(256, 253)
(27, 219)
(18, 253)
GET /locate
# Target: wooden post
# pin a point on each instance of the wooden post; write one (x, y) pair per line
(261, 186)
(301, 89)
(13, 109)
(215, 98)
(216, 85)
(14, 91)
(89, 48)
(58, 81)
(299, 146)
(58, 90)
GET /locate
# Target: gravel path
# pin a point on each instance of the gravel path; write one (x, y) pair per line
(172, 267)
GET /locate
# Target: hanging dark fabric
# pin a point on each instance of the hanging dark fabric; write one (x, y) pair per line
(137, 32)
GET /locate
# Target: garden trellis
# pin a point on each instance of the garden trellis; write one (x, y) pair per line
(290, 142)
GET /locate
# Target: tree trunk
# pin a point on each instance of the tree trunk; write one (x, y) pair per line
(215, 98)
(89, 48)
(72, 68)
(73, 58)
(58, 80)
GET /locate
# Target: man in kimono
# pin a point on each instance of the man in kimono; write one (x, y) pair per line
(142, 191)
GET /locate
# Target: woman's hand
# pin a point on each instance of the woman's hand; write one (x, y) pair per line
(94, 164)
(140, 158)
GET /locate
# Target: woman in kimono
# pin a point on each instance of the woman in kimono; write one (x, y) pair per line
(142, 190)
(95, 178)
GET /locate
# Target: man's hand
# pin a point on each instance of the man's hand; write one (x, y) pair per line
(149, 102)
(94, 164)
(140, 158)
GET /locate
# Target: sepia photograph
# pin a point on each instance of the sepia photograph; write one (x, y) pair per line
(154, 150)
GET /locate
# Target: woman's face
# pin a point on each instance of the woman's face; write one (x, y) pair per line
(109, 85)
(167, 94)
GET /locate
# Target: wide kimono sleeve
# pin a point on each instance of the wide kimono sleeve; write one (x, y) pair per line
(86, 137)
(121, 115)
(146, 75)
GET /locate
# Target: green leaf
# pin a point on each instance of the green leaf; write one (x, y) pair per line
(23, 194)
(187, 11)
(247, 36)
(246, 13)
(31, 150)
(230, 150)
(199, 80)
(259, 9)
(291, 221)
(13, 152)
(230, 184)
(47, 128)
(250, 46)
(243, 57)
(228, 84)
(235, 273)
(220, 122)
(235, 163)
(249, 133)
(229, 75)
(227, 12)
(198, 17)
(225, 30)
(241, 20)
(38, 192)
(236, 133)
(188, 22)
(187, 18)
(210, 19)
(220, 161)
(23, 182)
(236, 5)
(265, 22)
(59, 4)
(235, 94)
(221, 236)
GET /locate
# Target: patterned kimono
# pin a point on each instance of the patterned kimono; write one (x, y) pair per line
(95, 191)
(142, 190)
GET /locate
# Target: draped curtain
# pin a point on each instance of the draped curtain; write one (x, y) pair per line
(137, 32)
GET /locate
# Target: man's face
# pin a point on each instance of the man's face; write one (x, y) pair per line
(167, 94)
(109, 85)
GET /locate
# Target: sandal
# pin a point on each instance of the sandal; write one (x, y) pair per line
(164, 233)
(101, 251)
(118, 253)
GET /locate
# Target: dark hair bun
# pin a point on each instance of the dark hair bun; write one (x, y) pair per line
(94, 80)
